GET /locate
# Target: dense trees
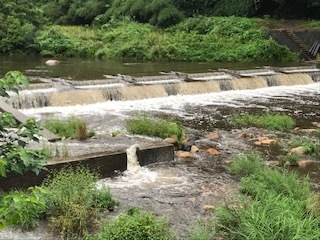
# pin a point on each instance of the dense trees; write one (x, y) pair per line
(25, 24)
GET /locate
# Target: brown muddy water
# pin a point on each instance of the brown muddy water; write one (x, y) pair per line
(185, 189)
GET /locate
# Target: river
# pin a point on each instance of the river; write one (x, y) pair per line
(184, 189)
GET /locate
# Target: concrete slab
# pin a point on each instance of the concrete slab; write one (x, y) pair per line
(21, 118)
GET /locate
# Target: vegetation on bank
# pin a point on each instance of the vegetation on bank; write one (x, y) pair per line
(145, 125)
(195, 39)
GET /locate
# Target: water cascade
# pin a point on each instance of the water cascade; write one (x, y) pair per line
(123, 88)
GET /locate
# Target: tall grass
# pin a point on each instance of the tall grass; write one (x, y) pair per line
(269, 121)
(145, 125)
(274, 206)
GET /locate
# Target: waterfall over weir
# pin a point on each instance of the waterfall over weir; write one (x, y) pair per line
(122, 89)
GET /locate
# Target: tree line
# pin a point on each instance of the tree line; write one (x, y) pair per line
(20, 20)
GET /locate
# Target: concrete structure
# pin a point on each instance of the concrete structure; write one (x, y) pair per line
(107, 163)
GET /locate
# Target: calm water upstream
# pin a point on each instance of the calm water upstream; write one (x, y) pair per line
(87, 69)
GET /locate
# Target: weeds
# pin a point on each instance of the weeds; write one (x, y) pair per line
(72, 127)
(274, 206)
(56, 150)
(73, 201)
(268, 121)
(155, 127)
(134, 225)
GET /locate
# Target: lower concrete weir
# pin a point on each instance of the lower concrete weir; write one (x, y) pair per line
(106, 163)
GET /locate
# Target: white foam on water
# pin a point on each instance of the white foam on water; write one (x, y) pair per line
(175, 104)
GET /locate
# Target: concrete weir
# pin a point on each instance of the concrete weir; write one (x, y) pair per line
(108, 164)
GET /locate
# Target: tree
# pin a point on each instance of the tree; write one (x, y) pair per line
(18, 22)
(161, 13)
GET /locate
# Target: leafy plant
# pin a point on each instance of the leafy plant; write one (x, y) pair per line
(269, 121)
(134, 225)
(14, 137)
(21, 208)
(154, 127)
(72, 127)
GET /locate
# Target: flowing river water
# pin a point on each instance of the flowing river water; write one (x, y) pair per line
(186, 189)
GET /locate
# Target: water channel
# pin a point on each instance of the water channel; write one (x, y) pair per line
(180, 190)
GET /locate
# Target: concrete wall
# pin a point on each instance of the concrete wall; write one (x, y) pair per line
(107, 163)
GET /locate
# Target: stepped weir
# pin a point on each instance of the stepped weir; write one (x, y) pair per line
(60, 92)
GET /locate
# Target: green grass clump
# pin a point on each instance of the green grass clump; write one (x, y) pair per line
(246, 164)
(269, 121)
(72, 127)
(274, 217)
(274, 206)
(73, 201)
(310, 147)
(135, 225)
(145, 125)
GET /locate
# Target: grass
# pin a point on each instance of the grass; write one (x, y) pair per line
(135, 225)
(274, 205)
(310, 147)
(269, 121)
(70, 128)
(148, 126)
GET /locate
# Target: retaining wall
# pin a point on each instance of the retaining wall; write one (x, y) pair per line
(107, 163)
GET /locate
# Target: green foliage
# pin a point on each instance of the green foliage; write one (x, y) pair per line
(18, 22)
(135, 225)
(67, 41)
(14, 137)
(155, 127)
(269, 121)
(310, 146)
(161, 13)
(74, 12)
(274, 209)
(21, 208)
(73, 201)
(245, 164)
(274, 217)
(72, 127)
(202, 230)
(240, 8)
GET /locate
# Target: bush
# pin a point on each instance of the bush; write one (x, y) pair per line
(135, 225)
(68, 41)
(72, 127)
(268, 121)
(155, 127)
(21, 208)
(73, 201)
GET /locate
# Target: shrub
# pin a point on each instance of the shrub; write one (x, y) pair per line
(269, 121)
(135, 225)
(154, 127)
(73, 202)
(72, 127)
(21, 208)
